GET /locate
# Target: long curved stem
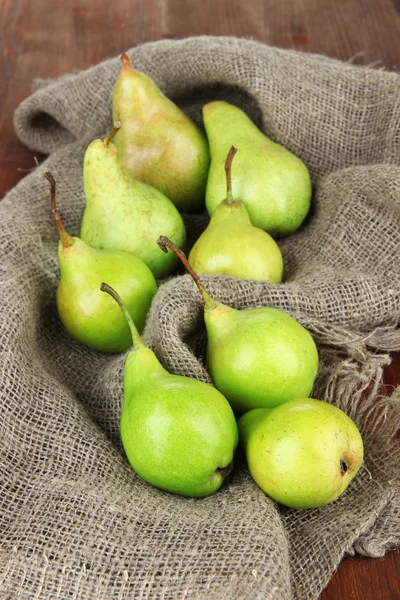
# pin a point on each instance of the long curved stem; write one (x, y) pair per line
(66, 239)
(136, 339)
(228, 165)
(166, 243)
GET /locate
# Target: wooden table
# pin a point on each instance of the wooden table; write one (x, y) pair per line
(46, 39)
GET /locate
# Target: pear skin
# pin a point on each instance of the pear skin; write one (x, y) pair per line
(304, 453)
(88, 315)
(273, 184)
(124, 214)
(259, 357)
(231, 245)
(159, 144)
(179, 434)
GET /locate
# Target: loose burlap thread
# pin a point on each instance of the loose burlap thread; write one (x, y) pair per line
(75, 520)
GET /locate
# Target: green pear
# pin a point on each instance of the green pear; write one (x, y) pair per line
(88, 315)
(231, 245)
(257, 358)
(124, 214)
(159, 144)
(179, 434)
(273, 184)
(304, 453)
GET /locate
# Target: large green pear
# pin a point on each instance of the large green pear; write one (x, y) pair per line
(231, 245)
(179, 434)
(124, 214)
(88, 315)
(304, 453)
(257, 358)
(273, 184)
(159, 144)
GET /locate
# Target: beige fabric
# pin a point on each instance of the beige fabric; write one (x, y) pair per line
(75, 520)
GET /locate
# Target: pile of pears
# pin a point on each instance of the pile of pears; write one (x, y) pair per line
(180, 434)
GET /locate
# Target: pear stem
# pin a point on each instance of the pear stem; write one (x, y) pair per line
(66, 239)
(125, 60)
(166, 243)
(228, 164)
(136, 339)
(112, 133)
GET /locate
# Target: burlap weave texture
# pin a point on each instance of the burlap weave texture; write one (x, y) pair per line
(75, 520)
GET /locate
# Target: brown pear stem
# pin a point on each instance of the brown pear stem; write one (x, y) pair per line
(166, 243)
(125, 60)
(136, 339)
(66, 239)
(228, 164)
(112, 133)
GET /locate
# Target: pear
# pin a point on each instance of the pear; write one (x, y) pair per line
(231, 245)
(179, 434)
(273, 184)
(304, 453)
(87, 314)
(124, 214)
(159, 144)
(257, 358)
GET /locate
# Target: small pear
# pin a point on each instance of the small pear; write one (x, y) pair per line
(304, 453)
(231, 245)
(159, 144)
(124, 214)
(179, 434)
(273, 184)
(257, 358)
(87, 314)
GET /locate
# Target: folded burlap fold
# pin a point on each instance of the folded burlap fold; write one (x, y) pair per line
(75, 520)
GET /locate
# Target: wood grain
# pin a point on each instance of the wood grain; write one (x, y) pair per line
(46, 39)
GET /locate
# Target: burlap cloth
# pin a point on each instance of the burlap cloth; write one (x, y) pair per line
(76, 521)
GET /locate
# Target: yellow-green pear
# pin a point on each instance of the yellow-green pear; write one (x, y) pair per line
(159, 144)
(258, 357)
(179, 434)
(273, 183)
(231, 245)
(303, 453)
(125, 214)
(88, 315)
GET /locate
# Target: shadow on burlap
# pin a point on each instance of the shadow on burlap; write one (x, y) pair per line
(75, 520)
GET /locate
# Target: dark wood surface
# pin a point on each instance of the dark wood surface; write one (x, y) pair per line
(46, 39)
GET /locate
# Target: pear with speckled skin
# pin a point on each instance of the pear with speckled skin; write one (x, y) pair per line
(257, 358)
(231, 245)
(87, 314)
(159, 144)
(124, 214)
(273, 184)
(303, 454)
(179, 434)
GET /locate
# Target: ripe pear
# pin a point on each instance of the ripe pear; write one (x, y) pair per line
(159, 144)
(304, 453)
(257, 358)
(273, 184)
(88, 315)
(179, 434)
(231, 245)
(124, 214)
